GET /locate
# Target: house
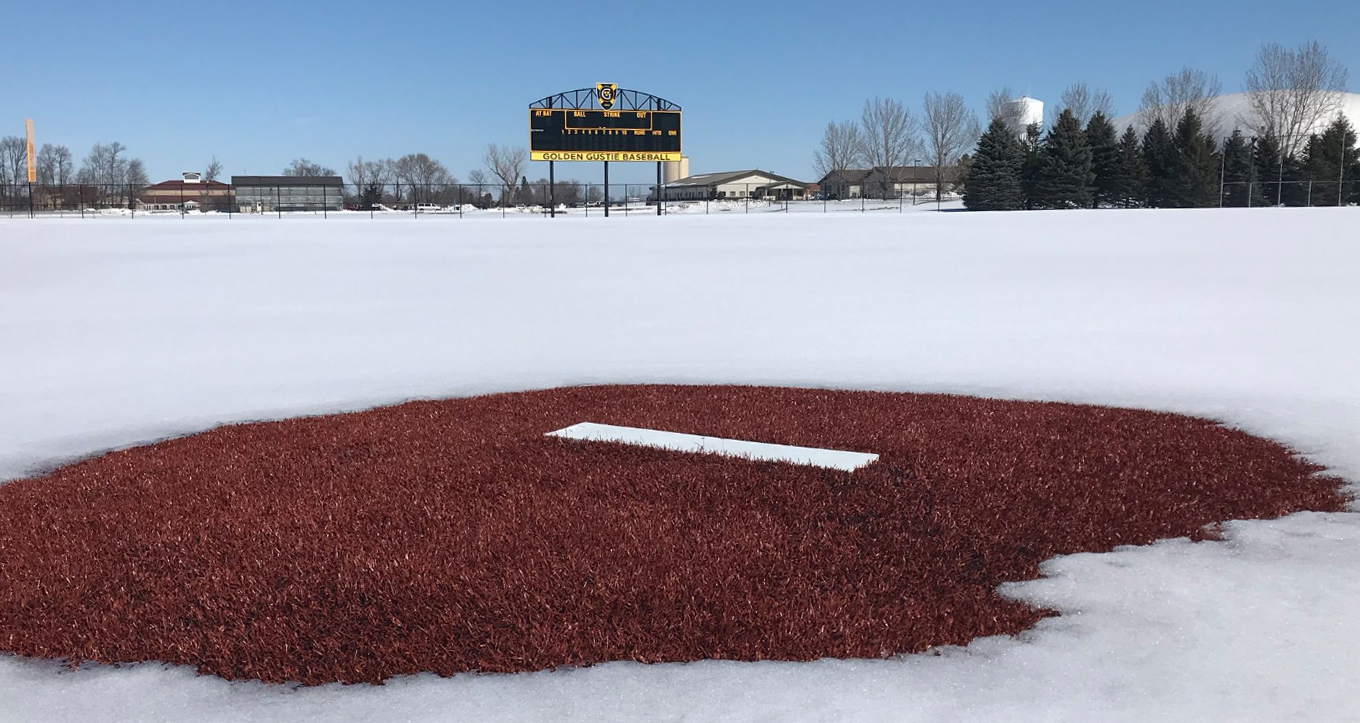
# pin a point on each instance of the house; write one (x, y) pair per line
(179, 194)
(899, 181)
(840, 185)
(735, 184)
(881, 182)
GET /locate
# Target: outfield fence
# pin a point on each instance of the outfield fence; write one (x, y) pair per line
(564, 198)
(444, 199)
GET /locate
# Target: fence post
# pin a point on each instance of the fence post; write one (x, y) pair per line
(324, 204)
(278, 202)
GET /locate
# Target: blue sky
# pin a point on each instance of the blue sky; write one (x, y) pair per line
(260, 83)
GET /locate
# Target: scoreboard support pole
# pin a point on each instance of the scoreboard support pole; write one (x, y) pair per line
(552, 192)
(606, 189)
(658, 188)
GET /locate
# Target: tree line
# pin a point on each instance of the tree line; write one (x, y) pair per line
(888, 136)
(1178, 161)
(108, 174)
(106, 167)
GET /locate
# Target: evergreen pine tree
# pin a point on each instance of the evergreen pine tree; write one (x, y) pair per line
(371, 197)
(993, 182)
(1159, 157)
(1134, 171)
(1268, 168)
(1352, 182)
(1029, 168)
(961, 169)
(1295, 184)
(1065, 176)
(1106, 161)
(1236, 170)
(1326, 156)
(1193, 182)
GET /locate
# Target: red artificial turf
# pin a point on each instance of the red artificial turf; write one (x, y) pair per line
(452, 536)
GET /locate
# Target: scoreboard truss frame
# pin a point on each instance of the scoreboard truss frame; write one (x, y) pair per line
(620, 101)
(610, 99)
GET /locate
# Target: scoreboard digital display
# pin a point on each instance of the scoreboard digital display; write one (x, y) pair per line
(579, 134)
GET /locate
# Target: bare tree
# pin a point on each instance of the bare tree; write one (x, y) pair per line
(1293, 92)
(1185, 90)
(839, 150)
(213, 170)
(1002, 106)
(105, 165)
(425, 176)
(477, 176)
(63, 167)
(54, 165)
(304, 167)
(13, 160)
(369, 173)
(134, 180)
(888, 137)
(950, 130)
(507, 163)
(1085, 101)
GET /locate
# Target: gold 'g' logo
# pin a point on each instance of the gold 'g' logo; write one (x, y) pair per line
(605, 94)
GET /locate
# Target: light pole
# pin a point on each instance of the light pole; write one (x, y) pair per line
(916, 164)
(1222, 171)
(1279, 180)
(1251, 173)
(1341, 177)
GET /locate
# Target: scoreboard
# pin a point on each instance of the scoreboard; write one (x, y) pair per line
(580, 134)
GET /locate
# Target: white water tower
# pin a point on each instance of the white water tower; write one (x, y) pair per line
(1024, 112)
(675, 170)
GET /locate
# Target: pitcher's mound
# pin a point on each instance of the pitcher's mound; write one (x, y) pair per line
(454, 536)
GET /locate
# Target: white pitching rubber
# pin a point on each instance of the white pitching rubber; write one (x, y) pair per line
(810, 456)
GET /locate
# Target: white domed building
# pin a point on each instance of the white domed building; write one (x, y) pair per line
(1234, 112)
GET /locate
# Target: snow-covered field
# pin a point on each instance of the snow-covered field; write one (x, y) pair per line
(115, 331)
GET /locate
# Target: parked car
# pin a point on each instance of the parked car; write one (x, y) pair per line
(428, 208)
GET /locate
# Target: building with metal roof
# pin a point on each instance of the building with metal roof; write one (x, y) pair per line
(735, 184)
(269, 194)
(880, 181)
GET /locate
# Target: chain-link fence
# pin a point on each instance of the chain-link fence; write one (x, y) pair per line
(442, 199)
(462, 200)
(1294, 193)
